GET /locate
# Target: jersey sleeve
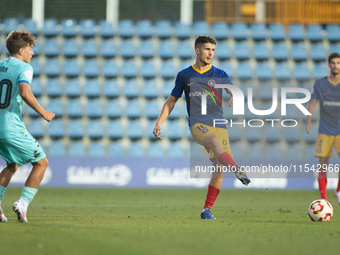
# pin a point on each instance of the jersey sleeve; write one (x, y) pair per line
(315, 91)
(26, 75)
(178, 89)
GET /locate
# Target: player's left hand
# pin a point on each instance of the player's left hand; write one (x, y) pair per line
(157, 133)
(230, 102)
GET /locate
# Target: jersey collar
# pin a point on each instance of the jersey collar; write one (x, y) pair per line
(201, 71)
(332, 82)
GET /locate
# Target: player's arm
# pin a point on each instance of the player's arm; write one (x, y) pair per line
(311, 109)
(166, 110)
(27, 95)
(230, 100)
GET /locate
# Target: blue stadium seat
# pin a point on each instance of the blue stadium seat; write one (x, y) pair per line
(31, 26)
(89, 48)
(296, 32)
(53, 88)
(50, 27)
(184, 50)
(221, 31)
(183, 31)
(52, 67)
(163, 29)
(292, 112)
(152, 109)
(129, 69)
(11, 24)
(244, 70)
(318, 52)
(96, 150)
(74, 108)
(150, 89)
(36, 49)
(110, 69)
(106, 29)
(201, 28)
(227, 67)
(265, 92)
(282, 71)
(36, 128)
(294, 152)
(90, 68)
(56, 106)
(131, 89)
(320, 70)
(134, 130)
(92, 88)
(263, 71)
(333, 32)
(234, 134)
(111, 89)
(274, 152)
(277, 32)
(175, 150)
(299, 52)
(68, 27)
(87, 28)
(115, 129)
(254, 152)
(133, 109)
(156, 150)
(314, 33)
(146, 49)
(70, 48)
(175, 113)
(35, 63)
(125, 28)
(292, 134)
(113, 109)
(301, 71)
(56, 129)
(167, 88)
(314, 133)
(71, 68)
(185, 64)
(116, 150)
(107, 49)
(148, 69)
(76, 149)
(94, 109)
(334, 48)
(280, 51)
(72, 88)
(242, 51)
(239, 30)
(57, 149)
(36, 87)
(309, 154)
(75, 129)
(136, 150)
(144, 28)
(238, 151)
(127, 49)
(253, 134)
(261, 51)
(32, 113)
(165, 49)
(168, 69)
(222, 51)
(258, 31)
(174, 130)
(271, 134)
(95, 129)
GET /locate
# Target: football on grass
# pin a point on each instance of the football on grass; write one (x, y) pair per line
(320, 210)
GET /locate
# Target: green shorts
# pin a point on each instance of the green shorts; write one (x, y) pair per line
(21, 150)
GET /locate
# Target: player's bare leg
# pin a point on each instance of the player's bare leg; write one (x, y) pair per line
(322, 177)
(31, 187)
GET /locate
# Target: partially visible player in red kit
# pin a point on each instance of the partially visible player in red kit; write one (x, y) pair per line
(215, 140)
(327, 91)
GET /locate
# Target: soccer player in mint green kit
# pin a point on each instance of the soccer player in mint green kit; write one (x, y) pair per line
(17, 146)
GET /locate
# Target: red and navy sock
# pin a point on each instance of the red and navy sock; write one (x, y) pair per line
(227, 160)
(323, 187)
(211, 196)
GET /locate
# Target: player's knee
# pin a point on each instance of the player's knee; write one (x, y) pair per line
(211, 139)
(43, 163)
(13, 167)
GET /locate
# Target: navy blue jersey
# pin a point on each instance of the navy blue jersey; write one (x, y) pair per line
(328, 93)
(194, 83)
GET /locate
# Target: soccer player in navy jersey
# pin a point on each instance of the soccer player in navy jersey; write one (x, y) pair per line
(327, 91)
(17, 146)
(214, 139)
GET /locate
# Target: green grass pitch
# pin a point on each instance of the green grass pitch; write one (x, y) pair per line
(167, 221)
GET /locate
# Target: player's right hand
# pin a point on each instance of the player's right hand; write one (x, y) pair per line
(309, 128)
(48, 116)
(157, 133)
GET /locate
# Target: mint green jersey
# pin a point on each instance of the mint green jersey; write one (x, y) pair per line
(12, 72)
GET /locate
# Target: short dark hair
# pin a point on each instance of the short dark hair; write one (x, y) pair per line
(18, 39)
(201, 39)
(333, 55)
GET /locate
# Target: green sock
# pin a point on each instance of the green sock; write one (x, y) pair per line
(2, 192)
(28, 194)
